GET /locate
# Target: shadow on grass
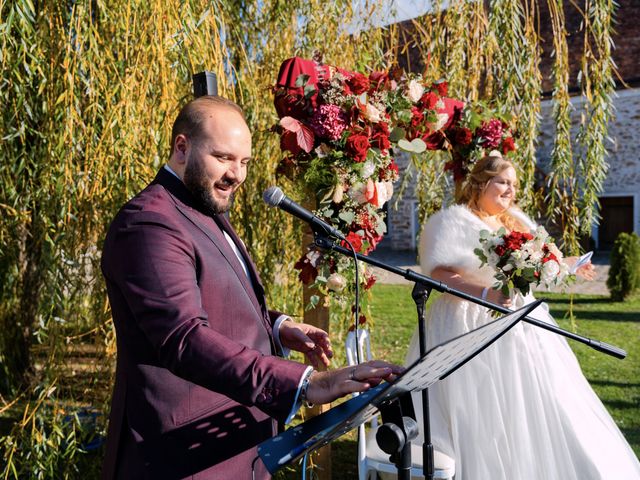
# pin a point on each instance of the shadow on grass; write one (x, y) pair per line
(601, 316)
(609, 383)
(578, 300)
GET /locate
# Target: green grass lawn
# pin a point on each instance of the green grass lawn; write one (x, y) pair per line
(617, 382)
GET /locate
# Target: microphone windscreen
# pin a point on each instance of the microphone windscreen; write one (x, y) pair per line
(272, 196)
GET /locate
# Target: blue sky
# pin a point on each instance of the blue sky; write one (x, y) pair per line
(392, 11)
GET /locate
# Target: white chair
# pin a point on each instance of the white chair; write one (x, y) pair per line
(372, 461)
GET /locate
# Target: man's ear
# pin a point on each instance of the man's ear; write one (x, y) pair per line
(180, 146)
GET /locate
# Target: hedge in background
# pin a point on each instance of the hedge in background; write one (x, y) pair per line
(624, 274)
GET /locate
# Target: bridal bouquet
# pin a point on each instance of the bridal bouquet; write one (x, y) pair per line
(522, 260)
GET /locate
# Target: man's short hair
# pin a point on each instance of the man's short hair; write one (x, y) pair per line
(191, 117)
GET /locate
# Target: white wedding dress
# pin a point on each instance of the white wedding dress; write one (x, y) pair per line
(522, 409)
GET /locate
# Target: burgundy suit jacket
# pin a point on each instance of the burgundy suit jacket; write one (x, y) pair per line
(197, 383)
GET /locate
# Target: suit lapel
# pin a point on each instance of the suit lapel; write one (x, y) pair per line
(224, 224)
(185, 205)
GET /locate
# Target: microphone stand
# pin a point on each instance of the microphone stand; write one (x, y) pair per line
(422, 289)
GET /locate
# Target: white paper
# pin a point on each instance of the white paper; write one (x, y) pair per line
(583, 260)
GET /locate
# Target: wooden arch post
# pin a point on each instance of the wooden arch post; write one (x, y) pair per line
(318, 317)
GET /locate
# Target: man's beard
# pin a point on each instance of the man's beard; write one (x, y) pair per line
(198, 184)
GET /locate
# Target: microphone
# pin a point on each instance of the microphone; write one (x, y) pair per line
(274, 197)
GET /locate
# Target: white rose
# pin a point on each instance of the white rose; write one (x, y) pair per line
(336, 282)
(415, 91)
(549, 272)
(382, 193)
(389, 186)
(358, 193)
(367, 169)
(338, 193)
(443, 118)
(372, 113)
(313, 257)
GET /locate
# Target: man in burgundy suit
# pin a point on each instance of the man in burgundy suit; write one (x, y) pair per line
(198, 383)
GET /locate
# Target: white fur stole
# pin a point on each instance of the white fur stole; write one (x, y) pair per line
(449, 238)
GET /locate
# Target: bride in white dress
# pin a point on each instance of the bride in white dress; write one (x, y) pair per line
(522, 409)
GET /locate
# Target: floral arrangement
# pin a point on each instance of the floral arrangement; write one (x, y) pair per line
(476, 131)
(339, 131)
(521, 260)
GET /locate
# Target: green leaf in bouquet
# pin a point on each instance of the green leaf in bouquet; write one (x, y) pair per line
(313, 302)
(502, 231)
(480, 254)
(397, 134)
(302, 80)
(484, 234)
(347, 217)
(381, 229)
(416, 145)
(309, 91)
(404, 116)
(321, 279)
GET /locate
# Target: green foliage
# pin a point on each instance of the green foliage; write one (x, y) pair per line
(624, 273)
(88, 92)
(49, 442)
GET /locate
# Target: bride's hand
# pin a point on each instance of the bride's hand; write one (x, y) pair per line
(499, 298)
(586, 271)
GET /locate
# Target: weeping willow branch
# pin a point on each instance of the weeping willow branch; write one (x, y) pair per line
(598, 86)
(561, 199)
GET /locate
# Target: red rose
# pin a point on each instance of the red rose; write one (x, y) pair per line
(381, 141)
(355, 240)
(508, 145)
(357, 146)
(358, 83)
(462, 136)
(373, 240)
(434, 141)
(429, 100)
(417, 117)
(442, 87)
(308, 272)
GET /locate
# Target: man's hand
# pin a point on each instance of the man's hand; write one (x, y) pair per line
(312, 341)
(325, 387)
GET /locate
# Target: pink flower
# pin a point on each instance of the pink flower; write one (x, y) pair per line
(329, 121)
(490, 133)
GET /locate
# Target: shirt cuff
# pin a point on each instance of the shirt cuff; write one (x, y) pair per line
(276, 335)
(297, 403)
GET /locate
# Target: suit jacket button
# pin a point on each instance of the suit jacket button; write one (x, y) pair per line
(261, 398)
(268, 398)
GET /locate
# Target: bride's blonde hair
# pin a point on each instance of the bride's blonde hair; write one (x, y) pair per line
(476, 182)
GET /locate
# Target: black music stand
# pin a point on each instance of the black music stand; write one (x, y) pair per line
(436, 364)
